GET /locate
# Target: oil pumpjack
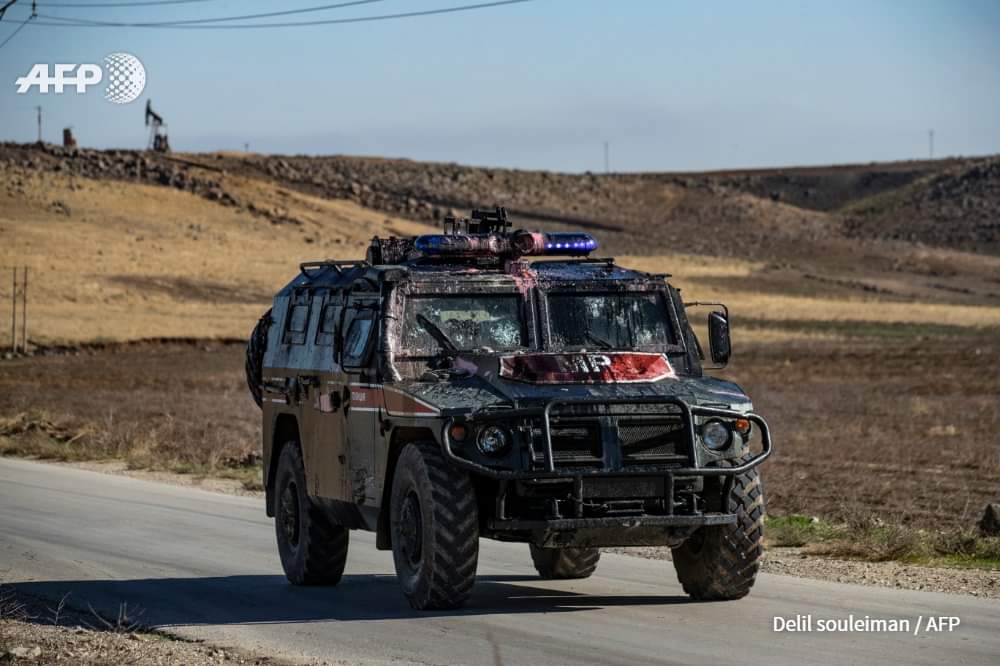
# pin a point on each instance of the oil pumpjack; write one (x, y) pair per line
(157, 130)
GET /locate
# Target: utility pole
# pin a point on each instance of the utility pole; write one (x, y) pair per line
(24, 312)
(16, 291)
(39, 123)
(13, 314)
(607, 157)
(930, 138)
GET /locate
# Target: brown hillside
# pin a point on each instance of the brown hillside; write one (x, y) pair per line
(959, 207)
(127, 244)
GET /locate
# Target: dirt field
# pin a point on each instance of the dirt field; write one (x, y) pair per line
(182, 408)
(902, 429)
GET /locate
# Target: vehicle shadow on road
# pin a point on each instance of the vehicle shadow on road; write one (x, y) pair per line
(253, 599)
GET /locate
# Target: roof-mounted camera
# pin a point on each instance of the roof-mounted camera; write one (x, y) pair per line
(482, 221)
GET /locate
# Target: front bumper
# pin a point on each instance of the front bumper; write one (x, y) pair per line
(638, 523)
(552, 471)
(605, 532)
(624, 522)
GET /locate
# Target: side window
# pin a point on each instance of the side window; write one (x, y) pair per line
(297, 321)
(357, 342)
(327, 324)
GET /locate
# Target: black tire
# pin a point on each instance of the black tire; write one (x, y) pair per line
(313, 550)
(564, 563)
(434, 524)
(720, 562)
(254, 365)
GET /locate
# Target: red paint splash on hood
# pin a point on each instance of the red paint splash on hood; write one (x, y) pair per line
(586, 368)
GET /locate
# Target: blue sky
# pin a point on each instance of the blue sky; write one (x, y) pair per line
(671, 85)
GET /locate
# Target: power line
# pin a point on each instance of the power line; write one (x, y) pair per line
(6, 6)
(58, 22)
(120, 5)
(16, 30)
(286, 12)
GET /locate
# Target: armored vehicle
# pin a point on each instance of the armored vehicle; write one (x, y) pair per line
(486, 382)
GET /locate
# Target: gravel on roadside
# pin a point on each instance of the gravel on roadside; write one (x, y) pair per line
(24, 642)
(981, 583)
(33, 631)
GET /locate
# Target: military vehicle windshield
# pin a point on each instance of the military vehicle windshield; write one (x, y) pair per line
(482, 322)
(609, 321)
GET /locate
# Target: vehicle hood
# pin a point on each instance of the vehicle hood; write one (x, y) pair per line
(524, 380)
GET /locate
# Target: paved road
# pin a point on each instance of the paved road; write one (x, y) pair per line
(204, 566)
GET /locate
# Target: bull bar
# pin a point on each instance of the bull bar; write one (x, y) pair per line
(686, 410)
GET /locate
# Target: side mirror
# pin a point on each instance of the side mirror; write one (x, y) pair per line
(720, 346)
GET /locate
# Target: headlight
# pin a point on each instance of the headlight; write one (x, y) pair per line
(715, 435)
(493, 441)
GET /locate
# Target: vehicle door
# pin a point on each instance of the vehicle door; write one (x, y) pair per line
(323, 423)
(363, 397)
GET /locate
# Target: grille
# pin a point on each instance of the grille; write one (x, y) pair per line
(577, 442)
(661, 439)
(644, 436)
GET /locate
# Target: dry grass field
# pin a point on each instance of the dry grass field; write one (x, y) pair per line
(112, 261)
(871, 357)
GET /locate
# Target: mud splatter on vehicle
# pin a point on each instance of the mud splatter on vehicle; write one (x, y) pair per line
(504, 384)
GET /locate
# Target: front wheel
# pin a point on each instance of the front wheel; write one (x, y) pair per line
(564, 563)
(313, 550)
(720, 562)
(435, 529)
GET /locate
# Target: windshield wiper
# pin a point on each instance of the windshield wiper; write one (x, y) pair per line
(597, 340)
(443, 340)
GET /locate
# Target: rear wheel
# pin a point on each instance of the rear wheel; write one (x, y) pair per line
(313, 550)
(254, 365)
(435, 529)
(720, 562)
(562, 563)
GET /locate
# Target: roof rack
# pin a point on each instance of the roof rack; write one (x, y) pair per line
(338, 265)
(610, 261)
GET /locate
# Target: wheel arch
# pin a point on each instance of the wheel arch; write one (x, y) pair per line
(398, 439)
(286, 429)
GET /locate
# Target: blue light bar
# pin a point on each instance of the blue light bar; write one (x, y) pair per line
(569, 242)
(522, 243)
